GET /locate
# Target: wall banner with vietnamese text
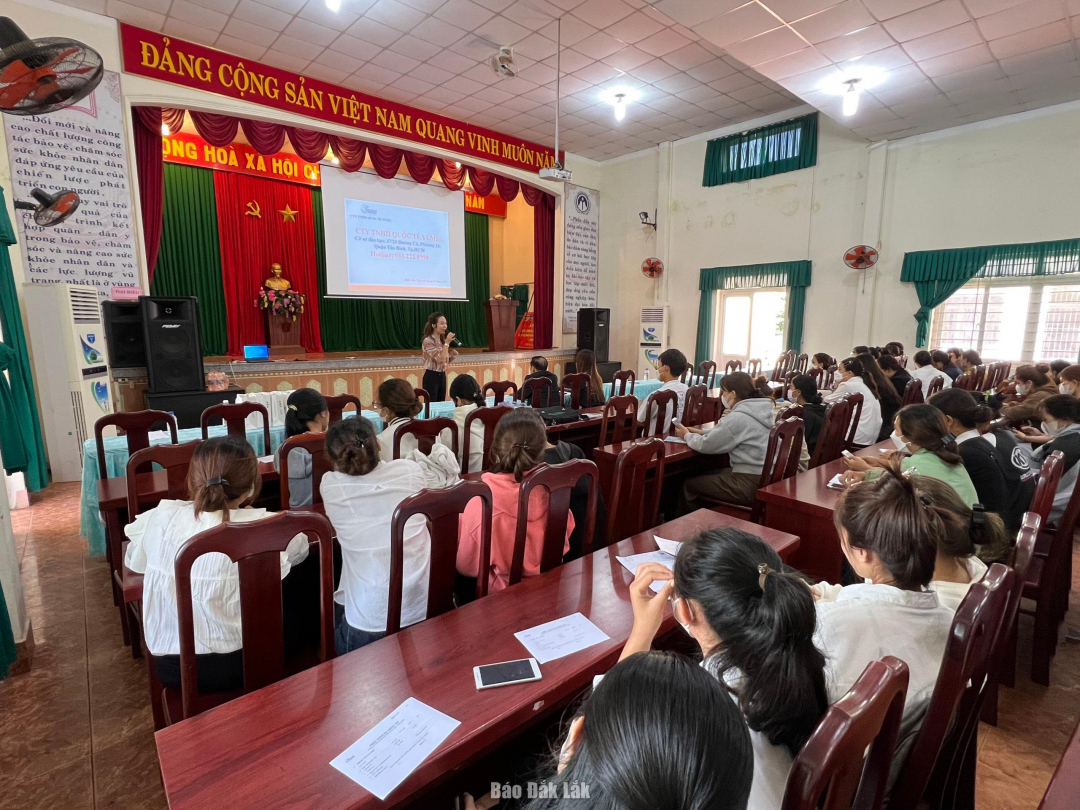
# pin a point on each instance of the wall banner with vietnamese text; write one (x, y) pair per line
(183, 147)
(168, 59)
(581, 252)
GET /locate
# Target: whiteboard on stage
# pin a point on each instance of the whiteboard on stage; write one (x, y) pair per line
(392, 238)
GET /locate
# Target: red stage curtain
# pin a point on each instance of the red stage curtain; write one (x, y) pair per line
(385, 159)
(350, 153)
(533, 195)
(508, 187)
(421, 167)
(309, 144)
(452, 174)
(151, 171)
(482, 181)
(250, 244)
(544, 270)
(265, 137)
(216, 130)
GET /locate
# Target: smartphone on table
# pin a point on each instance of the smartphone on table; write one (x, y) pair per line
(523, 670)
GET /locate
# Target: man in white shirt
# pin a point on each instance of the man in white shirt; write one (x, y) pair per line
(671, 366)
(926, 371)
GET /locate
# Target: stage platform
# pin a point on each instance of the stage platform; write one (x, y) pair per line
(358, 373)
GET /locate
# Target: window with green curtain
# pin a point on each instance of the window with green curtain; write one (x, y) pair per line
(761, 152)
(793, 275)
(937, 274)
(379, 325)
(189, 260)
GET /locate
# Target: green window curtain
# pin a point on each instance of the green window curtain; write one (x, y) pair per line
(796, 276)
(761, 152)
(379, 325)
(937, 274)
(189, 260)
(20, 432)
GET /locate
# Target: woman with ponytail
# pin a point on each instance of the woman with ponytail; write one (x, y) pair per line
(518, 447)
(755, 625)
(222, 480)
(855, 379)
(466, 395)
(306, 412)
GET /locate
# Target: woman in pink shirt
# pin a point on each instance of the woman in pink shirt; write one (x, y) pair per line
(517, 448)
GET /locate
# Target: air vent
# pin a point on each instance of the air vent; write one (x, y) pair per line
(85, 306)
(652, 315)
(80, 419)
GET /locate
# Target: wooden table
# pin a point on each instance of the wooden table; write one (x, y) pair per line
(272, 748)
(804, 503)
(1063, 792)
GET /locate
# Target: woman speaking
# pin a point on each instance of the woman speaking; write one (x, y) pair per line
(437, 354)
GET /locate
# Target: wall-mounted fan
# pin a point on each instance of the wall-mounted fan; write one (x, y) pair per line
(38, 76)
(50, 209)
(652, 268)
(860, 257)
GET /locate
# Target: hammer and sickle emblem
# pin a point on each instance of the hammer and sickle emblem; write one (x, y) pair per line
(253, 210)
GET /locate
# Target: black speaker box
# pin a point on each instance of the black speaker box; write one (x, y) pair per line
(174, 360)
(592, 331)
(124, 333)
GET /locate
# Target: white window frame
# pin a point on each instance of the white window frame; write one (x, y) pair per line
(718, 320)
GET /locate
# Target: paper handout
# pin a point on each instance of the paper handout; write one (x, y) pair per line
(561, 637)
(665, 559)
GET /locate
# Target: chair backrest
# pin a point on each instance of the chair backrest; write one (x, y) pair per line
(315, 445)
(936, 385)
(819, 376)
(846, 761)
(687, 375)
(619, 381)
(541, 392)
(856, 401)
(980, 378)
(575, 385)
(913, 392)
(1046, 487)
(336, 406)
(802, 362)
(694, 405)
(136, 425)
(256, 548)
(424, 397)
(490, 418)
(940, 751)
(636, 486)
(707, 373)
(174, 458)
(427, 433)
(559, 480)
(442, 508)
(1019, 560)
(499, 389)
(965, 382)
(779, 369)
(781, 458)
(834, 428)
(619, 423)
(753, 367)
(654, 424)
(733, 365)
(234, 415)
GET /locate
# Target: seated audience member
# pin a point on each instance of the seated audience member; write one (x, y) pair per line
(886, 394)
(1056, 367)
(360, 495)
(539, 366)
(860, 350)
(1069, 381)
(969, 361)
(895, 347)
(585, 363)
(856, 379)
(803, 392)
(989, 472)
(743, 434)
(306, 412)
(397, 404)
(755, 627)
(518, 448)
(223, 478)
(943, 362)
(823, 360)
(466, 396)
(920, 431)
(956, 357)
(670, 366)
(1060, 416)
(927, 372)
(971, 536)
(1033, 386)
(895, 374)
(689, 751)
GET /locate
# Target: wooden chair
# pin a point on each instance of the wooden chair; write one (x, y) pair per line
(315, 445)
(654, 423)
(846, 761)
(573, 385)
(707, 373)
(490, 418)
(733, 365)
(834, 428)
(424, 397)
(753, 367)
(687, 377)
(499, 389)
(779, 369)
(802, 362)
(781, 461)
(442, 509)
(619, 423)
(136, 426)
(235, 415)
(619, 381)
(427, 433)
(856, 402)
(912, 393)
(980, 378)
(336, 406)
(965, 382)
(694, 405)
(256, 548)
(541, 393)
(818, 375)
(939, 772)
(558, 480)
(636, 486)
(936, 385)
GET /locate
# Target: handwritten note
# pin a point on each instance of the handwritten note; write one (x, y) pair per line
(631, 563)
(581, 252)
(560, 638)
(382, 759)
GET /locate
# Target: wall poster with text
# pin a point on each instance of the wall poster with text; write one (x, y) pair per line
(581, 252)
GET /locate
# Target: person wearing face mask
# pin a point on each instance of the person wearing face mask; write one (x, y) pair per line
(1032, 386)
(1061, 424)
(920, 431)
(223, 479)
(1069, 381)
(306, 413)
(855, 379)
(802, 391)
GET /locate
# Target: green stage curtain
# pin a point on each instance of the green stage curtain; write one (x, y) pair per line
(189, 259)
(793, 275)
(20, 432)
(937, 274)
(777, 148)
(379, 325)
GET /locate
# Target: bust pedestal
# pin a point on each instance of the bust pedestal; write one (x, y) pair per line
(282, 334)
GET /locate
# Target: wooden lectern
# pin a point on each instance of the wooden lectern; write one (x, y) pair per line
(501, 323)
(282, 334)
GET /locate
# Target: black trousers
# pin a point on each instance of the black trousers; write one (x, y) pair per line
(435, 385)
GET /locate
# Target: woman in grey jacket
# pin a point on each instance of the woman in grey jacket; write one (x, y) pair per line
(743, 434)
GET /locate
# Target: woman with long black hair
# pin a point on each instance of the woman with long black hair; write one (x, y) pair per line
(437, 355)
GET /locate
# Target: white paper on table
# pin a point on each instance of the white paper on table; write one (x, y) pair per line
(670, 546)
(382, 759)
(593, 415)
(266, 458)
(835, 482)
(155, 435)
(561, 637)
(632, 562)
(674, 439)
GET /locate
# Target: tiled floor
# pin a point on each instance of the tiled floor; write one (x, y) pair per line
(77, 731)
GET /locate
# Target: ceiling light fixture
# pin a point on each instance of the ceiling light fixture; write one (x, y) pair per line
(334, 159)
(851, 96)
(165, 131)
(619, 98)
(850, 82)
(333, 5)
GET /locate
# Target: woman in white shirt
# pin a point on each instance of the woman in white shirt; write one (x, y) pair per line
(222, 478)
(755, 626)
(854, 379)
(360, 496)
(465, 392)
(397, 404)
(306, 413)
